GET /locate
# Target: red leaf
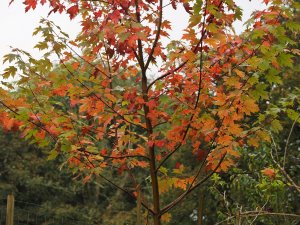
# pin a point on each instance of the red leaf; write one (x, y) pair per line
(174, 4)
(177, 165)
(73, 11)
(30, 4)
(103, 152)
(160, 143)
(115, 16)
(187, 7)
(98, 13)
(122, 168)
(41, 135)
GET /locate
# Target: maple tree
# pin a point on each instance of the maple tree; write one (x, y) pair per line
(104, 109)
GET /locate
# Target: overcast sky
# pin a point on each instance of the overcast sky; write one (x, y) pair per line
(17, 26)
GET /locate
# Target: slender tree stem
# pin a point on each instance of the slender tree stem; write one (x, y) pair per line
(149, 126)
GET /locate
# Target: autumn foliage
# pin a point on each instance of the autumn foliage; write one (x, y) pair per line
(121, 98)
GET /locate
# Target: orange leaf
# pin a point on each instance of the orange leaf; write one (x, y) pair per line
(250, 106)
(75, 65)
(269, 172)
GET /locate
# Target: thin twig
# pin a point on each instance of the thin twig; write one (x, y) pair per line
(259, 213)
(288, 140)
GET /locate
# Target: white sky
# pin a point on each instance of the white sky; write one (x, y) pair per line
(17, 26)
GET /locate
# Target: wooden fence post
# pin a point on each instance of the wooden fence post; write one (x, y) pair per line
(139, 206)
(10, 210)
(238, 218)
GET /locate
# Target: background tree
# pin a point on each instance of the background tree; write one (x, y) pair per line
(44, 196)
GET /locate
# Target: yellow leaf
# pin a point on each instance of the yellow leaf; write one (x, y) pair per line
(253, 141)
(179, 170)
(194, 20)
(164, 185)
(235, 129)
(111, 97)
(239, 73)
(263, 135)
(190, 55)
(225, 140)
(166, 217)
(232, 152)
(233, 81)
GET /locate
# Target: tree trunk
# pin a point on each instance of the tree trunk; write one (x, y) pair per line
(201, 207)
(139, 206)
(156, 220)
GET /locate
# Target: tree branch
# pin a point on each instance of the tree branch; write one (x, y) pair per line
(99, 98)
(185, 62)
(288, 140)
(115, 185)
(192, 187)
(157, 34)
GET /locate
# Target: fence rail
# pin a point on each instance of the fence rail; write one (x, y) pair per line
(13, 212)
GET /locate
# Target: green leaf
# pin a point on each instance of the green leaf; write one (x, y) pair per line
(41, 45)
(123, 36)
(197, 7)
(293, 26)
(65, 146)
(194, 20)
(9, 57)
(212, 27)
(253, 79)
(272, 76)
(163, 170)
(292, 114)
(260, 92)
(141, 35)
(276, 126)
(285, 59)
(258, 34)
(9, 72)
(238, 14)
(264, 65)
(213, 9)
(37, 30)
(92, 149)
(52, 155)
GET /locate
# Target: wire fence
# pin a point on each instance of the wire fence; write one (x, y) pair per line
(26, 213)
(2, 215)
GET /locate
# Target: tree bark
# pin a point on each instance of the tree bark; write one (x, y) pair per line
(201, 207)
(139, 206)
